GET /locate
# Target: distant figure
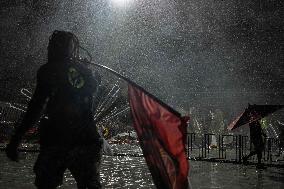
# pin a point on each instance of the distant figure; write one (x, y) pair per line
(64, 102)
(256, 137)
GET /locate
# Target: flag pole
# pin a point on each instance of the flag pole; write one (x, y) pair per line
(132, 83)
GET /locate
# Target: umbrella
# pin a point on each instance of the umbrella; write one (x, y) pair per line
(253, 113)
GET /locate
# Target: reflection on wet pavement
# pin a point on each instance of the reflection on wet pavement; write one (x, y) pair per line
(132, 172)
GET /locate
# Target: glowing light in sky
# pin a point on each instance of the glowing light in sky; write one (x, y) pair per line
(122, 3)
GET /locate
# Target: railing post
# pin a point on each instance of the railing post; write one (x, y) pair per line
(219, 146)
(269, 148)
(222, 145)
(236, 147)
(208, 144)
(202, 141)
(245, 137)
(191, 141)
(187, 144)
(240, 148)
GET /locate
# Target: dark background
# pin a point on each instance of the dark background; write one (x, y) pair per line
(207, 54)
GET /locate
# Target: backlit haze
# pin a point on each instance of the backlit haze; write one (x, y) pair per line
(205, 54)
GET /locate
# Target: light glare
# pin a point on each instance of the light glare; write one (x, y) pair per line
(121, 3)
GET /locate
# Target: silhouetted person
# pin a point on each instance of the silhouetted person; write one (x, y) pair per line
(63, 101)
(256, 137)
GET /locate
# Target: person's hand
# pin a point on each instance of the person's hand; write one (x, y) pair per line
(12, 151)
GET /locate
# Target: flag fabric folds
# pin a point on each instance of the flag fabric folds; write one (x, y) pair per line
(162, 136)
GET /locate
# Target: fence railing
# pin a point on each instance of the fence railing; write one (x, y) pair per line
(229, 147)
(199, 146)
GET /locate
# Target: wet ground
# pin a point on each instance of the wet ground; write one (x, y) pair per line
(132, 172)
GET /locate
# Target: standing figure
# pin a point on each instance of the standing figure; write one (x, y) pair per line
(257, 139)
(63, 102)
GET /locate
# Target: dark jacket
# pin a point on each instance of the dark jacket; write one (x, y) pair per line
(64, 99)
(256, 135)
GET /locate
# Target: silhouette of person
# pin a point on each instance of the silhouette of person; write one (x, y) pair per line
(256, 137)
(63, 101)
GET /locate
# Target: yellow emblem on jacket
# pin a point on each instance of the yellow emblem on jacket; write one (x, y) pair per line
(75, 79)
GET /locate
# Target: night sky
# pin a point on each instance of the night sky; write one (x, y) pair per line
(189, 53)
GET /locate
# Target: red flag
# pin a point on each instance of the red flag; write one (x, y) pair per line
(162, 136)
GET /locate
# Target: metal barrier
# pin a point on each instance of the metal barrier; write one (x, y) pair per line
(229, 147)
(272, 148)
(225, 147)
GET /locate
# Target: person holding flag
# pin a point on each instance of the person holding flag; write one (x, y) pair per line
(64, 102)
(69, 137)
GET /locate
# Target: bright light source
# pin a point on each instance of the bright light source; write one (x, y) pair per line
(122, 3)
